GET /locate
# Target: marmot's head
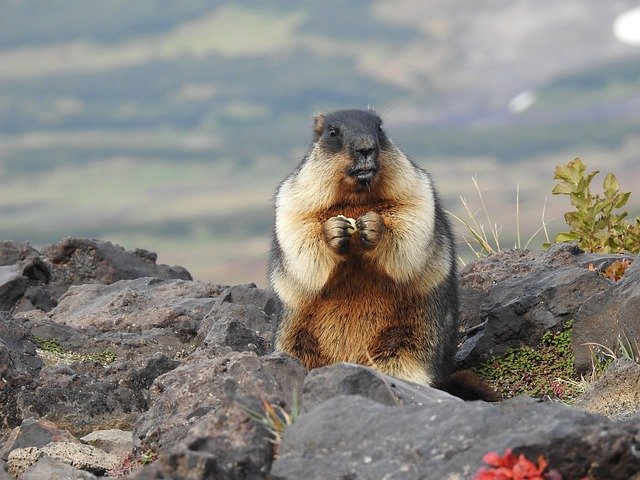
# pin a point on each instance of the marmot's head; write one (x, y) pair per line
(351, 143)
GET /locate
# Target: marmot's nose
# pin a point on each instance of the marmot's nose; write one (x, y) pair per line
(368, 153)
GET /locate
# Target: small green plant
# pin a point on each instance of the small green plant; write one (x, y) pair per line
(274, 418)
(53, 352)
(545, 371)
(148, 456)
(602, 357)
(595, 225)
(484, 241)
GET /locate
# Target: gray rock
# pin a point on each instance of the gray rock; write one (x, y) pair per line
(245, 319)
(608, 315)
(86, 395)
(35, 433)
(210, 381)
(12, 286)
(351, 379)
(19, 365)
(76, 261)
(616, 394)
(354, 437)
(13, 252)
(136, 305)
(48, 468)
(114, 441)
(197, 416)
(511, 298)
(83, 457)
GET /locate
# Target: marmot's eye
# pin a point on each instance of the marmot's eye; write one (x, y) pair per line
(380, 129)
(333, 131)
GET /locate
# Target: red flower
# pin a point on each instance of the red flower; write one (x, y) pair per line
(510, 467)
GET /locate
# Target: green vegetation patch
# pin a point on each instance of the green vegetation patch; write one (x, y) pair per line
(52, 353)
(545, 371)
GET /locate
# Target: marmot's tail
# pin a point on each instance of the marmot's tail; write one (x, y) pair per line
(467, 385)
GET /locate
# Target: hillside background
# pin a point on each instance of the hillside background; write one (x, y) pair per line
(167, 125)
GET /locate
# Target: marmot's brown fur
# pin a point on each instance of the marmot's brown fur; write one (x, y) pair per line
(384, 295)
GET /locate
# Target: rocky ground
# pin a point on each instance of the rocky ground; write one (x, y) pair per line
(114, 366)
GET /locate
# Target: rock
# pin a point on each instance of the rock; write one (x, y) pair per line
(354, 437)
(132, 318)
(83, 457)
(35, 433)
(77, 261)
(12, 286)
(87, 396)
(30, 279)
(607, 316)
(114, 441)
(47, 468)
(616, 394)
(22, 458)
(210, 381)
(13, 252)
(19, 365)
(351, 379)
(511, 298)
(196, 414)
(244, 318)
(136, 305)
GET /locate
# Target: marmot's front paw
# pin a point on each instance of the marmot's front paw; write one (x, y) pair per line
(371, 228)
(337, 232)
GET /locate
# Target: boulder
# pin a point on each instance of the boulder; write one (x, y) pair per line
(83, 457)
(114, 441)
(85, 395)
(608, 316)
(76, 261)
(30, 279)
(198, 418)
(354, 437)
(48, 468)
(245, 319)
(35, 433)
(511, 298)
(616, 394)
(19, 365)
(351, 379)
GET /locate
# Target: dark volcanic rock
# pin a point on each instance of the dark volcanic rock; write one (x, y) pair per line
(35, 433)
(19, 365)
(607, 316)
(87, 396)
(47, 468)
(13, 252)
(29, 279)
(244, 318)
(137, 317)
(351, 379)
(616, 394)
(511, 298)
(77, 261)
(196, 414)
(353, 437)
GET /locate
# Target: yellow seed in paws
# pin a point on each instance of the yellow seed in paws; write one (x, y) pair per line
(352, 224)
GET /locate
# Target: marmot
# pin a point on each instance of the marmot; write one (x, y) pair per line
(363, 256)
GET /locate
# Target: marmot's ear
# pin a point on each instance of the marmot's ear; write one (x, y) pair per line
(318, 124)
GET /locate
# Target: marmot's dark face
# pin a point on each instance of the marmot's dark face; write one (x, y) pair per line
(353, 141)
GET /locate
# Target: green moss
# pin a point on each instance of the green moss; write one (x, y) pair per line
(545, 371)
(52, 352)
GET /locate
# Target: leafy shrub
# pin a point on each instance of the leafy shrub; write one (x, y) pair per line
(595, 225)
